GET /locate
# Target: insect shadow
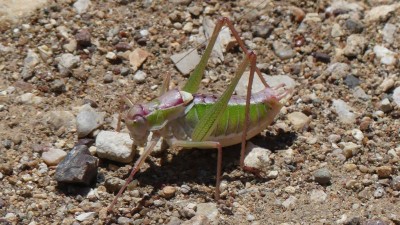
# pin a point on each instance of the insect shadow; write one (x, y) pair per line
(198, 166)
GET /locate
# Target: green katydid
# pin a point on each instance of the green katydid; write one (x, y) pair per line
(189, 120)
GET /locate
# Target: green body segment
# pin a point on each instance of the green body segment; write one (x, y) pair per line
(232, 119)
(229, 127)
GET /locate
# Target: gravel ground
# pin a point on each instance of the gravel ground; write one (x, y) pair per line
(333, 152)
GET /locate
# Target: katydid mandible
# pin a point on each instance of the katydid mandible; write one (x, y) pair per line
(189, 120)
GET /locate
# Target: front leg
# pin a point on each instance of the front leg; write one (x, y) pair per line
(205, 145)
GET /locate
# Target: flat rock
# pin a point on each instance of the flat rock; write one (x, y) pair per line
(60, 119)
(396, 96)
(186, 61)
(388, 32)
(210, 210)
(66, 62)
(355, 45)
(137, 58)
(224, 37)
(88, 120)
(344, 111)
(85, 216)
(29, 99)
(386, 56)
(53, 156)
(283, 51)
(350, 149)
(298, 119)
(380, 13)
(257, 157)
(196, 220)
(358, 92)
(241, 88)
(357, 134)
(12, 10)
(78, 167)
(290, 202)
(318, 196)
(115, 146)
(31, 60)
(81, 6)
(345, 6)
(338, 70)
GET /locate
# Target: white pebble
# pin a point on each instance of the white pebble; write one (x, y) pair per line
(357, 134)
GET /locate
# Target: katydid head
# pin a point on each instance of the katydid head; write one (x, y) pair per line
(153, 116)
(137, 124)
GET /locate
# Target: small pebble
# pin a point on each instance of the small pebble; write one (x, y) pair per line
(257, 157)
(88, 120)
(250, 217)
(384, 171)
(124, 220)
(185, 189)
(354, 26)
(345, 112)
(385, 105)
(388, 32)
(272, 174)
(298, 119)
(283, 51)
(357, 134)
(137, 58)
(351, 81)
(334, 138)
(83, 38)
(318, 196)
(322, 176)
(139, 77)
(396, 96)
(210, 210)
(387, 57)
(111, 56)
(158, 202)
(350, 149)
(290, 202)
(53, 156)
(168, 192)
(379, 192)
(396, 183)
(197, 220)
(355, 45)
(114, 146)
(108, 78)
(85, 216)
(144, 33)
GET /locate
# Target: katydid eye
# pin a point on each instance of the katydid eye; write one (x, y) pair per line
(138, 119)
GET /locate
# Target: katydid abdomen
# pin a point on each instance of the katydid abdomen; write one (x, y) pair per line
(264, 106)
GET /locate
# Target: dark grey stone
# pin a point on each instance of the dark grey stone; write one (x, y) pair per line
(351, 81)
(355, 27)
(78, 167)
